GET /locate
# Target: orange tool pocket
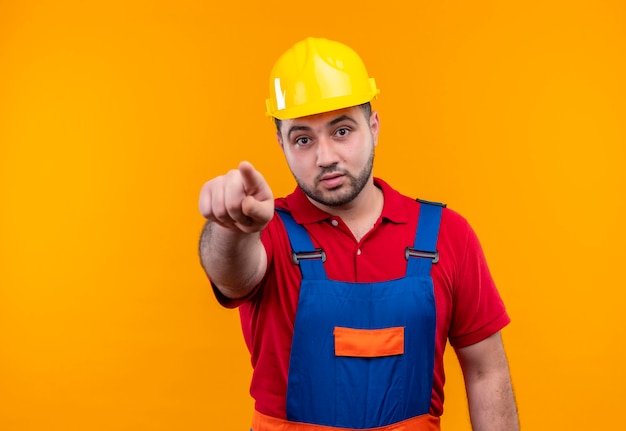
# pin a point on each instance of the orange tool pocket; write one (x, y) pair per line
(369, 343)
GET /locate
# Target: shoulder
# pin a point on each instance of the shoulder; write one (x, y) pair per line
(457, 238)
(281, 203)
(453, 222)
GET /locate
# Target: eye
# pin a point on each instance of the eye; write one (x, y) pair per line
(303, 140)
(342, 131)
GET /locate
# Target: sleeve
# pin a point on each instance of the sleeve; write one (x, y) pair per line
(227, 302)
(478, 310)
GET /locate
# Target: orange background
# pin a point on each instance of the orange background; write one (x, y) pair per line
(113, 114)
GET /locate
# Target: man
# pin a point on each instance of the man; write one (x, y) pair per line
(348, 290)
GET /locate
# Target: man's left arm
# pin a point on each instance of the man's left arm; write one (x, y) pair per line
(488, 384)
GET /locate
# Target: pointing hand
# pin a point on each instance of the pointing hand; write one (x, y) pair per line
(239, 200)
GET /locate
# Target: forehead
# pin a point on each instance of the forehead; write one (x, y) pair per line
(325, 118)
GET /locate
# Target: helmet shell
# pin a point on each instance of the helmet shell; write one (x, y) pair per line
(318, 75)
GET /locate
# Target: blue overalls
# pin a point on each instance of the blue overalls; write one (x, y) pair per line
(362, 354)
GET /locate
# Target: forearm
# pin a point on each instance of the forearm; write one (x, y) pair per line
(235, 261)
(491, 402)
(488, 385)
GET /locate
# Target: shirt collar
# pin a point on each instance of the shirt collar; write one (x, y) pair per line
(304, 212)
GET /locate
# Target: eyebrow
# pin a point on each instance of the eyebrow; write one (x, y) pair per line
(297, 129)
(342, 118)
(334, 121)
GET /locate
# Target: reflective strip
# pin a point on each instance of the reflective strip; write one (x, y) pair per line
(369, 343)
(261, 422)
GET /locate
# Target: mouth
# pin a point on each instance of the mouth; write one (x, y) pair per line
(331, 181)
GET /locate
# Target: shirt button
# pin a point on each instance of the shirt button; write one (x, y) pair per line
(334, 222)
(358, 252)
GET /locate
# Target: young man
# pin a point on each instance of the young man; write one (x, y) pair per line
(348, 290)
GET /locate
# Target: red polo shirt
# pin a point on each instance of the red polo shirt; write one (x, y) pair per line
(469, 308)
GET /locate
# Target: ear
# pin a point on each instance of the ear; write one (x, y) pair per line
(374, 126)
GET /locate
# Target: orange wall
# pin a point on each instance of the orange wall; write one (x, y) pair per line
(113, 114)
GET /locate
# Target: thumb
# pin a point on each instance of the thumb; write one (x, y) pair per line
(261, 212)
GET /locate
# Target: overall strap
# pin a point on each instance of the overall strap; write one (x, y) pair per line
(303, 253)
(424, 251)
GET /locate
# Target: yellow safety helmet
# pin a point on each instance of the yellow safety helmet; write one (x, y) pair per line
(318, 75)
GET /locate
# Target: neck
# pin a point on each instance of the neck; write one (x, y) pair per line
(360, 214)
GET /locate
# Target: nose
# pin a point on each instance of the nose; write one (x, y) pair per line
(326, 153)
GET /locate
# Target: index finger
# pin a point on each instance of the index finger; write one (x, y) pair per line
(252, 179)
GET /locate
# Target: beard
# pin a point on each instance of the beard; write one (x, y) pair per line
(337, 198)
